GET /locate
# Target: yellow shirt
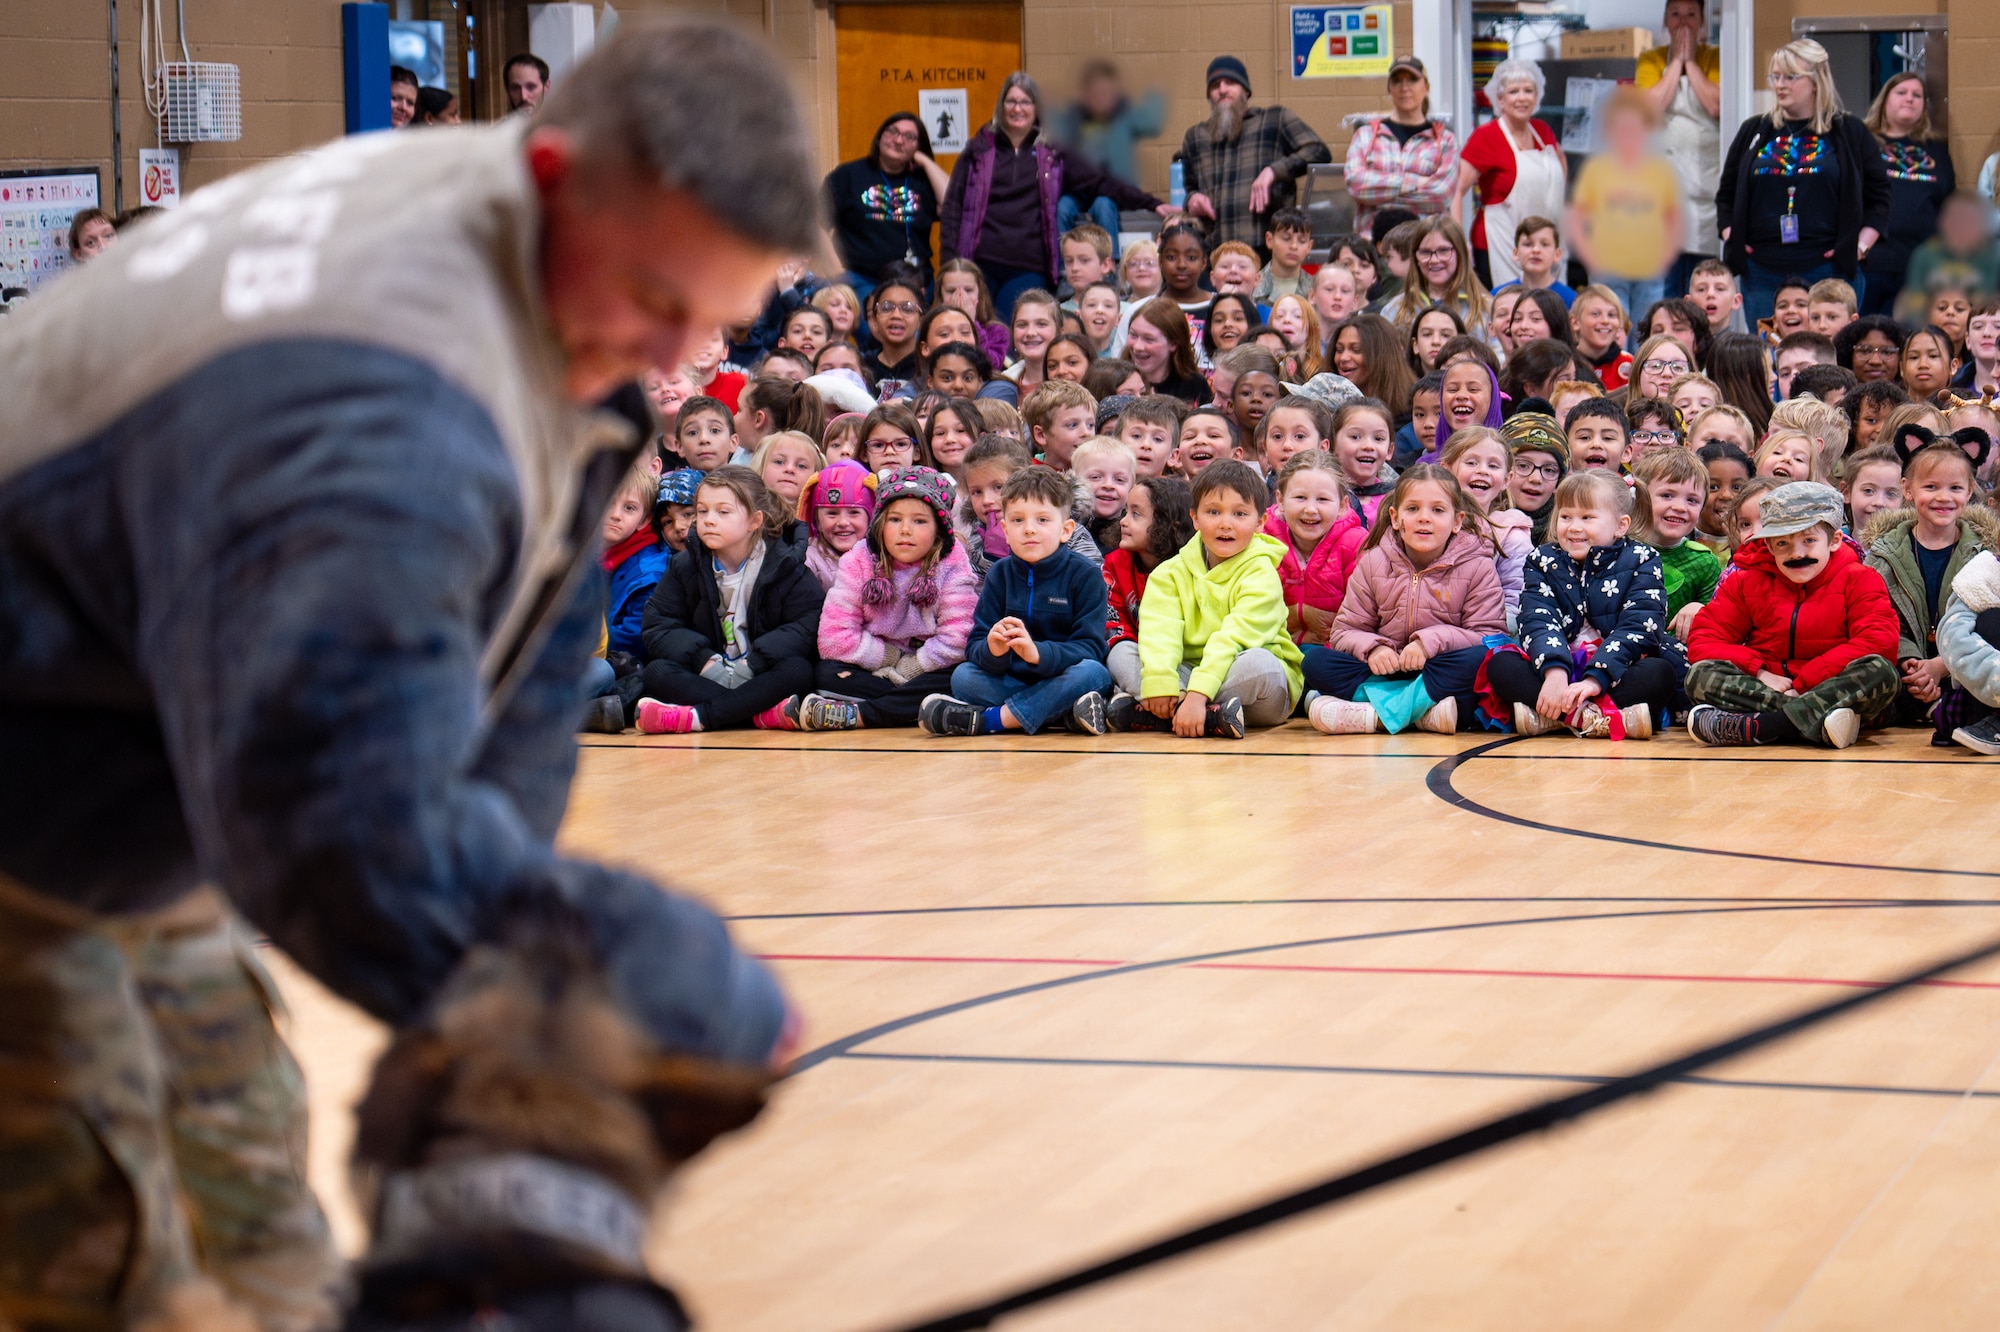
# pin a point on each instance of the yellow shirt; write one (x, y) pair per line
(1625, 209)
(1654, 63)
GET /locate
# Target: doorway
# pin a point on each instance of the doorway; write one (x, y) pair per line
(944, 62)
(1866, 53)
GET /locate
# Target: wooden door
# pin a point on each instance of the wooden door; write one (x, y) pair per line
(889, 55)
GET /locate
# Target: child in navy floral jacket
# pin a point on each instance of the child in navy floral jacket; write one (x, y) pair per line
(1593, 624)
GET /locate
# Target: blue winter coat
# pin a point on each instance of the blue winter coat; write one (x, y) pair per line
(1615, 591)
(1062, 601)
(631, 584)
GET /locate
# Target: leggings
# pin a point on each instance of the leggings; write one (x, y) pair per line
(1650, 680)
(720, 707)
(883, 702)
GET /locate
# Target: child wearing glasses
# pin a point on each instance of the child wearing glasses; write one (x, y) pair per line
(891, 437)
(1655, 426)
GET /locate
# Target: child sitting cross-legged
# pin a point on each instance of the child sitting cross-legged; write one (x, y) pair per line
(1158, 521)
(1478, 456)
(1322, 539)
(1797, 644)
(1968, 638)
(1410, 637)
(1036, 652)
(1593, 624)
(732, 629)
(896, 620)
(1213, 651)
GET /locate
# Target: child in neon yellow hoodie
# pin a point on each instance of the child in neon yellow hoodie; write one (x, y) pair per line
(1215, 656)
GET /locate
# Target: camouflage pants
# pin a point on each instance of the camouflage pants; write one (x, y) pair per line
(1868, 686)
(152, 1126)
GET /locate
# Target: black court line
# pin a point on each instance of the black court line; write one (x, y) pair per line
(846, 1044)
(1454, 1074)
(1523, 899)
(1439, 781)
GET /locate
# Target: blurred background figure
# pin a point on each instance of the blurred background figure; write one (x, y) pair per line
(402, 96)
(1918, 162)
(1684, 79)
(435, 106)
(1404, 159)
(1104, 126)
(1626, 220)
(91, 232)
(527, 82)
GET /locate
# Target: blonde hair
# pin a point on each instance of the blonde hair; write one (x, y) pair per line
(1102, 446)
(1823, 421)
(1310, 460)
(1144, 247)
(1699, 380)
(824, 297)
(1877, 119)
(1598, 291)
(1595, 483)
(1805, 56)
(763, 453)
(1466, 438)
(1781, 435)
(1910, 413)
(1049, 397)
(1465, 287)
(1660, 465)
(1723, 409)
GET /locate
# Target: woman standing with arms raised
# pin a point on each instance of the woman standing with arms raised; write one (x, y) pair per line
(1917, 160)
(1000, 208)
(1684, 81)
(1517, 165)
(1803, 192)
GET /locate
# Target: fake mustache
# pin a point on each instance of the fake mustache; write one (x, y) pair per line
(1802, 562)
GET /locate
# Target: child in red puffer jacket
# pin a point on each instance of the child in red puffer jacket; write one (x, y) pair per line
(1322, 538)
(1158, 521)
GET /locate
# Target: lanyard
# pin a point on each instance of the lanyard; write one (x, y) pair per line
(909, 240)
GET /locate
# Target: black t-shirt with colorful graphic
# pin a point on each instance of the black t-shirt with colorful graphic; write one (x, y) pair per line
(1796, 171)
(1920, 177)
(877, 217)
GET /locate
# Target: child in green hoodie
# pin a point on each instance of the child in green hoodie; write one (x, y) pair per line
(1214, 653)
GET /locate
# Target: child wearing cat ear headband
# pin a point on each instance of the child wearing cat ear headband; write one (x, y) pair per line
(1919, 548)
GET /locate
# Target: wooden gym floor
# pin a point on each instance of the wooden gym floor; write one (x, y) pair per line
(1064, 995)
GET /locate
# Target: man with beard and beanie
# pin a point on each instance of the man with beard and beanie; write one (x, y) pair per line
(1243, 162)
(298, 600)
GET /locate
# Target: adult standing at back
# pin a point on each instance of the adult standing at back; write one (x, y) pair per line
(1684, 80)
(1000, 209)
(1803, 192)
(1404, 159)
(1105, 126)
(1917, 161)
(1518, 166)
(1243, 162)
(880, 207)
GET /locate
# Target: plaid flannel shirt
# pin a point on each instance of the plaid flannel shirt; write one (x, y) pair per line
(1272, 137)
(1417, 175)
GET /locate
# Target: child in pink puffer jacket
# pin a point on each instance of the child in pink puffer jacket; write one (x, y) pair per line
(1322, 537)
(1410, 638)
(895, 621)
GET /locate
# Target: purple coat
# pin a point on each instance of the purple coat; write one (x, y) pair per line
(962, 216)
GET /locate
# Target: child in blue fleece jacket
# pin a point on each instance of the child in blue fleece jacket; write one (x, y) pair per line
(1036, 653)
(634, 558)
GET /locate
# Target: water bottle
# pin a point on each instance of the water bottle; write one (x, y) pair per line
(1176, 186)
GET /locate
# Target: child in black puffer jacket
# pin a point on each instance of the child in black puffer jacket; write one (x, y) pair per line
(1596, 655)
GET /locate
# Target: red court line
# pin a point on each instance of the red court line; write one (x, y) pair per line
(1841, 982)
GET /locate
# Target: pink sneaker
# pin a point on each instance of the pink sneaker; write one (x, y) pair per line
(657, 718)
(777, 717)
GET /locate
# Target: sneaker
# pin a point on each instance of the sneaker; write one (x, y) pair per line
(1710, 725)
(657, 718)
(1841, 728)
(1529, 722)
(1087, 714)
(1119, 711)
(1339, 716)
(941, 714)
(1225, 720)
(817, 712)
(1442, 719)
(604, 716)
(1982, 737)
(1594, 723)
(780, 716)
(1312, 696)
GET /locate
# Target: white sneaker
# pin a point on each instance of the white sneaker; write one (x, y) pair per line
(1442, 719)
(1593, 723)
(1339, 716)
(1841, 728)
(1529, 722)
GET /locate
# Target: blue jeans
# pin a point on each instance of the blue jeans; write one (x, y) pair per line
(1103, 212)
(599, 678)
(1638, 296)
(1760, 286)
(1034, 704)
(1007, 284)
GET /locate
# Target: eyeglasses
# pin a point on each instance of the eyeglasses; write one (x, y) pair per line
(898, 307)
(1658, 367)
(902, 444)
(1546, 471)
(1781, 80)
(1446, 253)
(1873, 353)
(899, 136)
(1654, 437)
